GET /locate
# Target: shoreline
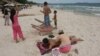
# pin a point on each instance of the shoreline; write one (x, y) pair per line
(76, 12)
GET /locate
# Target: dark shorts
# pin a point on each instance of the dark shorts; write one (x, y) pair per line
(55, 21)
(46, 20)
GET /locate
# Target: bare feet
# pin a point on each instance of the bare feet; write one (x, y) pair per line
(80, 39)
(5, 24)
(33, 25)
(76, 51)
(16, 41)
(8, 24)
(23, 38)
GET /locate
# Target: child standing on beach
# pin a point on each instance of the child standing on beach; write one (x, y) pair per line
(46, 11)
(55, 19)
(16, 27)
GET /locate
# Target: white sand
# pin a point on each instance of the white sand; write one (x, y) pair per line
(82, 26)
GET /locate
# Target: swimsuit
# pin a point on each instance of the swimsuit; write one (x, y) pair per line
(65, 49)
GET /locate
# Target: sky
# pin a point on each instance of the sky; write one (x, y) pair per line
(66, 1)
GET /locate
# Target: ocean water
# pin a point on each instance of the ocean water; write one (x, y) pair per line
(85, 9)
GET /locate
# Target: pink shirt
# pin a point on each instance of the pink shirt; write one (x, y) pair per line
(16, 20)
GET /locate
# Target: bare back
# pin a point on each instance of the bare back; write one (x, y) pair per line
(64, 40)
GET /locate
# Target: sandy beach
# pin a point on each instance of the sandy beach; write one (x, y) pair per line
(82, 26)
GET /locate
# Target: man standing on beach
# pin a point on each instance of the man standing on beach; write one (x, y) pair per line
(46, 11)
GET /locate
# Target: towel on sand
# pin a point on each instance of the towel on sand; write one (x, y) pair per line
(42, 49)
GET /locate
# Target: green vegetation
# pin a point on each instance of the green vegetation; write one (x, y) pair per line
(21, 1)
(25, 2)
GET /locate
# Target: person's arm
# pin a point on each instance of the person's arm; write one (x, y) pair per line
(50, 47)
(54, 17)
(51, 44)
(49, 10)
(42, 11)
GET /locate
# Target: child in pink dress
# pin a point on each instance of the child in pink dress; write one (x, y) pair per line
(16, 27)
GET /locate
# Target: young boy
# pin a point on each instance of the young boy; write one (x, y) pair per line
(46, 11)
(55, 18)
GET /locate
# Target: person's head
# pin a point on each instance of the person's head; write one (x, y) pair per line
(51, 36)
(45, 3)
(55, 12)
(45, 40)
(61, 32)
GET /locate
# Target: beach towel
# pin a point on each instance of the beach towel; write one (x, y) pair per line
(42, 49)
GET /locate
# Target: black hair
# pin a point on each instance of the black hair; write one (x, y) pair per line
(45, 42)
(51, 36)
(55, 11)
(45, 3)
(61, 32)
(13, 12)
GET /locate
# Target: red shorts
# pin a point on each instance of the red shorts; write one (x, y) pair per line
(65, 49)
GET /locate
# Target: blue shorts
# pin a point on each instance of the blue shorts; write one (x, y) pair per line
(46, 20)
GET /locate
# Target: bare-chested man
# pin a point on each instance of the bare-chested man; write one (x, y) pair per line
(46, 11)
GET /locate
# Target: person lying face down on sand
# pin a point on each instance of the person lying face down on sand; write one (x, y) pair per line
(62, 41)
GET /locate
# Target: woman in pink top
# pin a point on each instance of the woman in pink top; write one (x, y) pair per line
(16, 27)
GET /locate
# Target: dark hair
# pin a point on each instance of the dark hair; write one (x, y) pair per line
(51, 36)
(13, 12)
(55, 11)
(45, 3)
(45, 42)
(61, 32)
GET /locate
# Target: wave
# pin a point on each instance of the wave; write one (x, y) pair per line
(78, 8)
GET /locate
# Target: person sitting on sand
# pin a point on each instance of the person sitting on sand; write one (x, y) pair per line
(62, 41)
(46, 11)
